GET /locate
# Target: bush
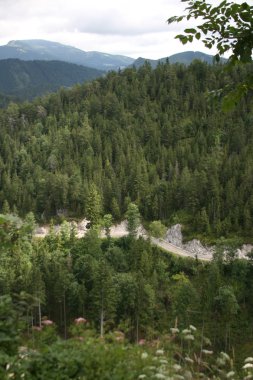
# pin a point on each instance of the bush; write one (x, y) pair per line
(157, 229)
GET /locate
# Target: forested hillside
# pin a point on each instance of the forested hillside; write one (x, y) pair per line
(186, 57)
(27, 79)
(123, 290)
(156, 137)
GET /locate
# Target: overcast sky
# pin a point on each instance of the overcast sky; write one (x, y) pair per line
(129, 27)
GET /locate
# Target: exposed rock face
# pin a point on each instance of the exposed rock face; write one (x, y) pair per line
(81, 226)
(41, 232)
(142, 232)
(245, 248)
(118, 230)
(196, 247)
(174, 235)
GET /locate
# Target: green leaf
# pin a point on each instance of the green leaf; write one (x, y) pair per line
(190, 31)
(246, 16)
(213, 11)
(175, 19)
(172, 19)
(184, 40)
(197, 36)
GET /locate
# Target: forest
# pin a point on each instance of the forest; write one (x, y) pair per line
(25, 80)
(124, 309)
(75, 308)
(156, 137)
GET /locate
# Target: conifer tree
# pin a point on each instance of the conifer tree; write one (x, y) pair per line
(6, 207)
(94, 205)
(133, 219)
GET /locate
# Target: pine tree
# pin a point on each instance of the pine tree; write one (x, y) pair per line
(107, 223)
(94, 205)
(6, 207)
(133, 219)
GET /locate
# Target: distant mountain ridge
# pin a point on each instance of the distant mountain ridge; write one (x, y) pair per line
(30, 68)
(28, 79)
(47, 51)
(186, 57)
(35, 49)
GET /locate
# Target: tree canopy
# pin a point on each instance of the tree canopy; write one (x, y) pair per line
(228, 27)
(154, 138)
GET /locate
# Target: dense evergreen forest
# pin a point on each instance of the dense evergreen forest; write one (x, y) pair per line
(123, 290)
(26, 80)
(155, 137)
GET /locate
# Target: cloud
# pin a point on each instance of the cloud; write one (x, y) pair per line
(129, 27)
(91, 16)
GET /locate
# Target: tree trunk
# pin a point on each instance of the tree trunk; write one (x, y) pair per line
(64, 316)
(102, 315)
(39, 307)
(137, 329)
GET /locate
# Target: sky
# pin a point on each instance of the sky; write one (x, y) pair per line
(135, 28)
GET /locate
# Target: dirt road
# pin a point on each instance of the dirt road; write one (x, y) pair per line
(177, 250)
(120, 230)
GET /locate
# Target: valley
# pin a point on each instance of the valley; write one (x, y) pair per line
(141, 185)
(126, 190)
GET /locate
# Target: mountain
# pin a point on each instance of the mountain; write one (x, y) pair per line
(141, 61)
(48, 51)
(154, 138)
(27, 79)
(151, 136)
(6, 99)
(186, 57)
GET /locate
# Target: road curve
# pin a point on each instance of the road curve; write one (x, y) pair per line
(120, 230)
(177, 250)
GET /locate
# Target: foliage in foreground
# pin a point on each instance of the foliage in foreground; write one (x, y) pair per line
(125, 284)
(182, 354)
(227, 26)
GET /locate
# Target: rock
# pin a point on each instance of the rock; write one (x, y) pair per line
(82, 228)
(174, 235)
(246, 248)
(82, 225)
(40, 231)
(142, 232)
(119, 230)
(196, 247)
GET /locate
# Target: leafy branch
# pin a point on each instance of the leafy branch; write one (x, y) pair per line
(229, 28)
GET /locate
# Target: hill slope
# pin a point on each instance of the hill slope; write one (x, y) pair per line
(150, 136)
(186, 57)
(27, 79)
(47, 50)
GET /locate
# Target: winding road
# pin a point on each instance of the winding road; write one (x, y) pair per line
(120, 230)
(177, 250)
